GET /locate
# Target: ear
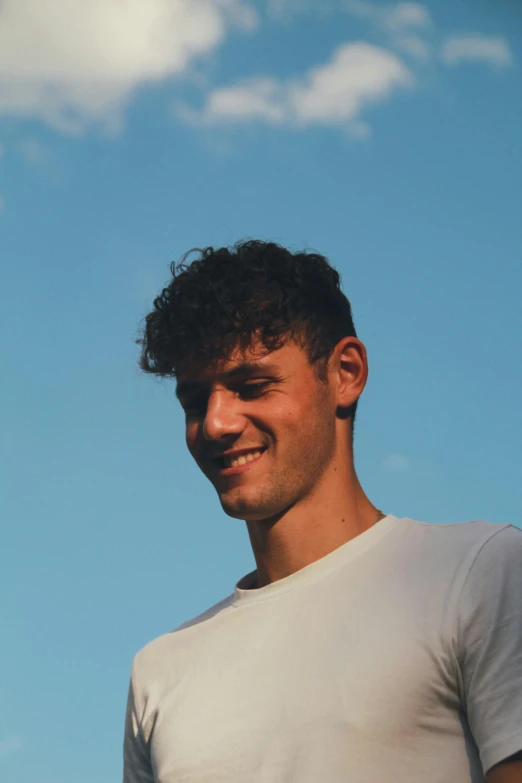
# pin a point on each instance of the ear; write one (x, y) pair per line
(348, 370)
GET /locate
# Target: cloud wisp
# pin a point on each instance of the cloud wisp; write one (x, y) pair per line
(413, 45)
(397, 463)
(494, 51)
(73, 63)
(396, 18)
(335, 93)
(10, 745)
(404, 24)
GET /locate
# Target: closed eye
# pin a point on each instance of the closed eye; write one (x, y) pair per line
(195, 405)
(252, 390)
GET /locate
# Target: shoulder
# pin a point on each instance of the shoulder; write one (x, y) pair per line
(161, 660)
(438, 557)
(461, 541)
(496, 567)
(487, 644)
(469, 531)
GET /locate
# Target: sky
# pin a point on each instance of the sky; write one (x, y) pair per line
(387, 137)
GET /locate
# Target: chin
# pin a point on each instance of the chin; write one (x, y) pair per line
(241, 509)
(250, 509)
(233, 511)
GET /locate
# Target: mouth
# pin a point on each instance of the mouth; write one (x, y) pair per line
(239, 463)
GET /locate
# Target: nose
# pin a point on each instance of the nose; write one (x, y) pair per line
(222, 417)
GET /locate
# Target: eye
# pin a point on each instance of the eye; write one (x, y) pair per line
(252, 390)
(194, 406)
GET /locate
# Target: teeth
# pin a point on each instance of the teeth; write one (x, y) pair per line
(234, 462)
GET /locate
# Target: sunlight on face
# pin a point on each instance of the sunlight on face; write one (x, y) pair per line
(273, 404)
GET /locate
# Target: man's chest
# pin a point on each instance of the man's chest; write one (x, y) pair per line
(308, 696)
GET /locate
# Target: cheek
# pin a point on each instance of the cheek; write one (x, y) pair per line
(191, 432)
(298, 414)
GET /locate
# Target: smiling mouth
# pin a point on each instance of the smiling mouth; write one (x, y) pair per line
(226, 463)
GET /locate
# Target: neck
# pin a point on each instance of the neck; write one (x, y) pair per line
(337, 511)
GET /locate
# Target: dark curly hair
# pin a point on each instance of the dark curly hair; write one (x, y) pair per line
(224, 297)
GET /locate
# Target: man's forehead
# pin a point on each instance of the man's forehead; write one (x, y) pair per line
(239, 364)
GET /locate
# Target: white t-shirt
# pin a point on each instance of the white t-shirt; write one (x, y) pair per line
(396, 658)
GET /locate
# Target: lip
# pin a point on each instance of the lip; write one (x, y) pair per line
(240, 468)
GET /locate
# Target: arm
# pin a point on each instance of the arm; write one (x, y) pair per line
(137, 767)
(508, 771)
(489, 653)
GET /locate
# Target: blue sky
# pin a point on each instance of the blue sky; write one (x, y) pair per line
(386, 136)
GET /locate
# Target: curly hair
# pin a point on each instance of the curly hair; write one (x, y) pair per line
(220, 300)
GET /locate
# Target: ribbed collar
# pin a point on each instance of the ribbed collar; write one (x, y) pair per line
(245, 594)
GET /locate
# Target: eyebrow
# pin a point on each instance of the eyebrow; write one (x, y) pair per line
(243, 370)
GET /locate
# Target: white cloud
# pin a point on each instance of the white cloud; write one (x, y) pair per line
(358, 74)
(407, 15)
(74, 62)
(284, 10)
(475, 47)
(10, 745)
(257, 98)
(402, 23)
(393, 18)
(397, 463)
(414, 46)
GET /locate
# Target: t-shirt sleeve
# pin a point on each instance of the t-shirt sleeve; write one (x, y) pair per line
(137, 767)
(489, 646)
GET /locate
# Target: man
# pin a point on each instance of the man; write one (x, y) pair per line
(364, 648)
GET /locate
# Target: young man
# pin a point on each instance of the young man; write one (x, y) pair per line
(364, 648)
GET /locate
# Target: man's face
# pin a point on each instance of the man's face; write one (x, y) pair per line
(261, 428)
